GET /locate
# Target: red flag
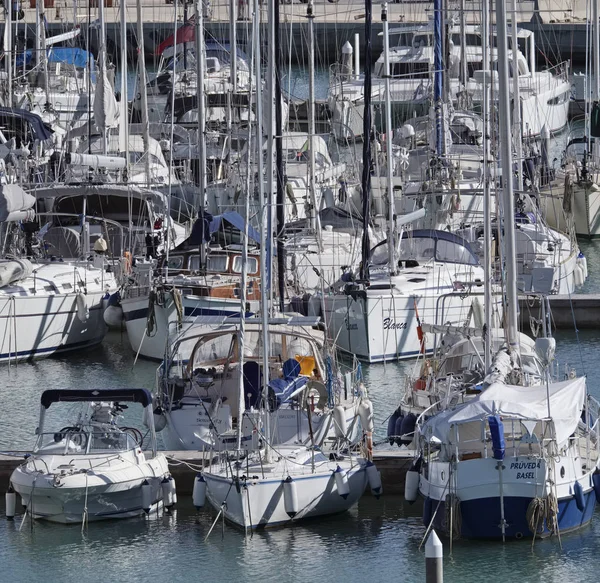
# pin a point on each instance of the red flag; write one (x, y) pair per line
(186, 33)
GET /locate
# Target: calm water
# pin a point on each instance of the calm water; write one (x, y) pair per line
(377, 541)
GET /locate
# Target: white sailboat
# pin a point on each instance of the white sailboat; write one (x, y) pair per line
(515, 461)
(272, 485)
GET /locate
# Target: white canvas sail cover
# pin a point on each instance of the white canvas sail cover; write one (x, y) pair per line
(567, 399)
(15, 203)
(106, 112)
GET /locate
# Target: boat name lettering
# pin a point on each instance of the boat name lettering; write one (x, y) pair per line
(525, 475)
(389, 324)
(524, 465)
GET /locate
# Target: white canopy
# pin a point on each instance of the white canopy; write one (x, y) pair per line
(567, 399)
(15, 203)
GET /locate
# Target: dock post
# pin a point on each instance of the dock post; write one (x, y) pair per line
(434, 559)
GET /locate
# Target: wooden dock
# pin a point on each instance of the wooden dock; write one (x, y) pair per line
(184, 465)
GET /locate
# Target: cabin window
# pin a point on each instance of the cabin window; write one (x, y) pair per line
(453, 253)
(251, 265)
(175, 262)
(415, 70)
(216, 263)
(562, 98)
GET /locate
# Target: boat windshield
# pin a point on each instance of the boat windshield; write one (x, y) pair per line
(84, 440)
(222, 349)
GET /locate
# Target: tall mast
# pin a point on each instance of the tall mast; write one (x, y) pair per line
(487, 212)
(102, 77)
(201, 138)
(366, 169)
(279, 163)
(315, 219)
(265, 232)
(438, 76)
(143, 89)
(507, 183)
(8, 48)
(517, 129)
(124, 113)
(389, 137)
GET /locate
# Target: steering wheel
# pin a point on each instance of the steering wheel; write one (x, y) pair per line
(135, 433)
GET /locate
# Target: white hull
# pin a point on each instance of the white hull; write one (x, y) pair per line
(383, 327)
(585, 209)
(259, 502)
(38, 326)
(106, 494)
(152, 346)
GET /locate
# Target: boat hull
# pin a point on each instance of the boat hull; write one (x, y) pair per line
(64, 499)
(37, 326)
(259, 503)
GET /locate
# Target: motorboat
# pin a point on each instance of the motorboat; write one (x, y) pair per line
(94, 469)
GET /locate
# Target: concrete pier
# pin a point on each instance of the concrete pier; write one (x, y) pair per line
(184, 466)
(335, 22)
(581, 310)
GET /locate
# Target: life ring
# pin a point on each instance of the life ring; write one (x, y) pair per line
(322, 390)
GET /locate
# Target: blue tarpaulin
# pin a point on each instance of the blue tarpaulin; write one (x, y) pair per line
(68, 55)
(235, 219)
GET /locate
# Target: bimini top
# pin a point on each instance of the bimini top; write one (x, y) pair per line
(18, 120)
(142, 396)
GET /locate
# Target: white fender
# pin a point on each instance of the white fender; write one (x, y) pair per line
(290, 497)
(146, 496)
(83, 312)
(199, 492)
(365, 411)
(341, 482)
(11, 503)
(374, 478)
(411, 486)
(339, 421)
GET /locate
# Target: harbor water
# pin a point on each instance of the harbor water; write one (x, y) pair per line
(379, 540)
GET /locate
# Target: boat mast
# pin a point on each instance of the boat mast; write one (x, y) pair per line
(201, 138)
(8, 48)
(517, 129)
(366, 151)
(124, 114)
(388, 141)
(507, 184)
(102, 78)
(438, 80)
(280, 200)
(315, 218)
(487, 195)
(265, 231)
(143, 89)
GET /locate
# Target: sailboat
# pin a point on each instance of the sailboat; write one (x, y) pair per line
(270, 485)
(413, 276)
(514, 461)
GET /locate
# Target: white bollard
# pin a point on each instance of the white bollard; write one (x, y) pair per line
(434, 559)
